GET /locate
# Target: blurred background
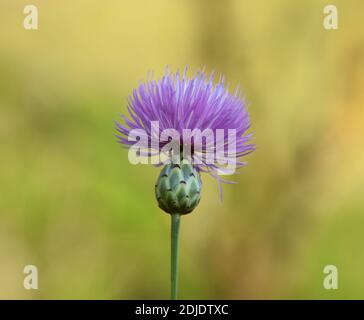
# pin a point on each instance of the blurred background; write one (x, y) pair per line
(72, 204)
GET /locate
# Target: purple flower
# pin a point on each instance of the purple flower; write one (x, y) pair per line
(178, 102)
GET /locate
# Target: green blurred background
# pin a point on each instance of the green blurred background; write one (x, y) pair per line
(72, 204)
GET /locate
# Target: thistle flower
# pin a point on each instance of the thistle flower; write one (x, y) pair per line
(198, 126)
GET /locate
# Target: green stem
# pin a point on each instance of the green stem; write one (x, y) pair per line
(176, 217)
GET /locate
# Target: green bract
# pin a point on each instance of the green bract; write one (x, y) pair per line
(178, 188)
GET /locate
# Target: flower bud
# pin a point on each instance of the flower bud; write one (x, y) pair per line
(178, 188)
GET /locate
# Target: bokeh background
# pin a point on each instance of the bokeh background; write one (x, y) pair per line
(72, 204)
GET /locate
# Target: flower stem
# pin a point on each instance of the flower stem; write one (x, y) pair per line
(174, 253)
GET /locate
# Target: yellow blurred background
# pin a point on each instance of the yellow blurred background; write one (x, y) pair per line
(72, 204)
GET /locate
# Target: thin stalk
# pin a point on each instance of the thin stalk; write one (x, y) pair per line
(175, 223)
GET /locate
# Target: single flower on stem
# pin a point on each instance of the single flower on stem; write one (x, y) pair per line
(192, 125)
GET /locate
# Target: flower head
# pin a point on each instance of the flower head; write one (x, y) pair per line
(196, 105)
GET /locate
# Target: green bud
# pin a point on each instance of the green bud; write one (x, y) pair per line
(178, 188)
